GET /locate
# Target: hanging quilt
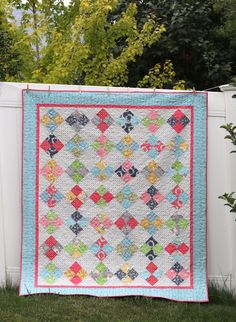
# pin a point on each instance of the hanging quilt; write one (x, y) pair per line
(114, 194)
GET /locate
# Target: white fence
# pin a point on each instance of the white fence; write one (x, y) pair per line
(221, 178)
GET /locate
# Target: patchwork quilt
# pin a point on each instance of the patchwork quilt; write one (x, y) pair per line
(114, 194)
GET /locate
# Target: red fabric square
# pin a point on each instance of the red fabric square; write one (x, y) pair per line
(45, 145)
(77, 203)
(178, 127)
(51, 254)
(177, 191)
(183, 248)
(51, 241)
(170, 248)
(95, 197)
(151, 267)
(132, 223)
(120, 223)
(101, 242)
(75, 267)
(152, 280)
(177, 204)
(102, 114)
(102, 126)
(75, 280)
(108, 196)
(178, 115)
(58, 145)
(101, 255)
(76, 190)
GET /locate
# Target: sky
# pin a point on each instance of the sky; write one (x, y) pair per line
(66, 2)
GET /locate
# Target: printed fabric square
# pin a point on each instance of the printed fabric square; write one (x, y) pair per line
(114, 194)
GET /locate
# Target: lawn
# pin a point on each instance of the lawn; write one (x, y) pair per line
(54, 308)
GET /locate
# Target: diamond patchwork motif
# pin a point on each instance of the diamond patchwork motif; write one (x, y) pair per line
(52, 145)
(77, 120)
(127, 171)
(153, 146)
(51, 171)
(126, 197)
(76, 196)
(178, 172)
(101, 196)
(103, 120)
(101, 248)
(101, 223)
(151, 248)
(126, 249)
(176, 223)
(102, 171)
(178, 121)
(127, 146)
(76, 274)
(177, 274)
(77, 146)
(51, 222)
(52, 120)
(102, 146)
(51, 196)
(126, 274)
(126, 223)
(76, 248)
(177, 197)
(101, 274)
(153, 172)
(151, 223)
(152, 197)
(177, 249)
(153, 121)
(127, 121)
(51, 247)
(77, 171)
(177, 146)
(152, 274)
(50, 273)
(76, 222)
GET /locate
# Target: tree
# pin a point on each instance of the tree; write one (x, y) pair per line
(39, 18)
(88, 52)
(87, 43)
(201, 54)
(10, 58)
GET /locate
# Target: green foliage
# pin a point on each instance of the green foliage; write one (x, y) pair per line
(10, 57)
(229, 197)
(86, 52)
(202, 55)
(230, 201)
(124, 42)
(161, 76)
(231, 129)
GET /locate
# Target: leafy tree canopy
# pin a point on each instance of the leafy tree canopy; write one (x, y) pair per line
(199, 40)
(151, 43)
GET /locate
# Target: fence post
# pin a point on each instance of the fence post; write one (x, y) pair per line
(230, 108)
(2, 237)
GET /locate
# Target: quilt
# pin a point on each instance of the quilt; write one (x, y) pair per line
(114, 193)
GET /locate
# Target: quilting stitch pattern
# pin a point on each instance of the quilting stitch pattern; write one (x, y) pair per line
(114, 197)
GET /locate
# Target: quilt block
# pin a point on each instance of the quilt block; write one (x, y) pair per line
(114, 194)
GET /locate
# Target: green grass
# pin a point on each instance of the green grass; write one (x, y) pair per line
(55, 308)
